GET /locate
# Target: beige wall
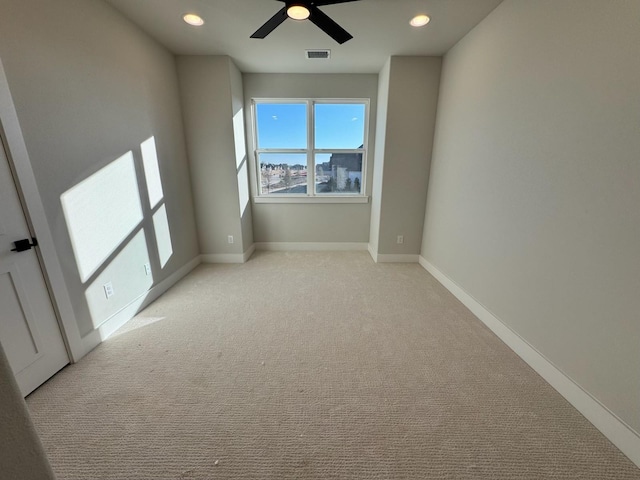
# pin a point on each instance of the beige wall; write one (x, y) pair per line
(311, 222)
(21, 454)
(89, 87)
(533, 203)
(412, 97)
(208, 105)
(242, 159)
(378, 164)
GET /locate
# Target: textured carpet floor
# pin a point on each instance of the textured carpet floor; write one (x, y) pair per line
(312, 366)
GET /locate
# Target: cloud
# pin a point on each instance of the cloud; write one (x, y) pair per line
(275, 117)
(354, 119)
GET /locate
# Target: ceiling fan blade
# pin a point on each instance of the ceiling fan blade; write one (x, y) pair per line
(320, 3)
(328, 26)
(271, 24)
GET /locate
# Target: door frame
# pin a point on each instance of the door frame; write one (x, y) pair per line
(20, 165)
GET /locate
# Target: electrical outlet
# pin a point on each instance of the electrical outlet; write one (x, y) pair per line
(108, 290)
(230, 238)
(400, 239)
(147, 269)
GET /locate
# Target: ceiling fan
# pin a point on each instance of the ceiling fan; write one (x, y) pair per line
(303, 10)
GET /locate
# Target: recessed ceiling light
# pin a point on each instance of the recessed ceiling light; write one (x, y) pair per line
(419, 20)
(298, 12)
(193, 19)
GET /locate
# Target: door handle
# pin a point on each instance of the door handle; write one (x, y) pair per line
(24, 245)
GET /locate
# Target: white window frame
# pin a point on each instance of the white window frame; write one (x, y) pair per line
(311, 196)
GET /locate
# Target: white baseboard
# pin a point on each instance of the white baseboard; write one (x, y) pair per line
(396, 258)
(228, 257)
(618, 432)
(122, 316)
(222, 258)
(373, 252)
(310, 246)
(391, 258)
(247, 255)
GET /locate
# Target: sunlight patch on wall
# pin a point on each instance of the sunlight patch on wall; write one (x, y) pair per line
(100, 212)
(238, 134)
(243, 187)
(152, 171)
(163, 235)
(241, 161)
(127, 276)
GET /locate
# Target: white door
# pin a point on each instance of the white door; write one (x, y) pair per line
(29, 330)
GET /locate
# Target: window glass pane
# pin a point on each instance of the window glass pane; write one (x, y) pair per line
(339, 126)
(283, 173)
(339, 173)
(281, 125)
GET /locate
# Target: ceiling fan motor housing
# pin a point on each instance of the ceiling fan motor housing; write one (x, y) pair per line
(301, 10)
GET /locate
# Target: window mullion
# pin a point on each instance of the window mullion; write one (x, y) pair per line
(281, 150)
(311, 168)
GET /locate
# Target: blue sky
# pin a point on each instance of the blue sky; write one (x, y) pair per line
(285, 126)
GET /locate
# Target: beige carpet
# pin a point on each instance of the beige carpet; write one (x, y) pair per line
(312, 366)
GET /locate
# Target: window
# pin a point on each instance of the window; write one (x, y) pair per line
(311, 148)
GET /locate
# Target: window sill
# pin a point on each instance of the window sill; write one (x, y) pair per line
(306, 199)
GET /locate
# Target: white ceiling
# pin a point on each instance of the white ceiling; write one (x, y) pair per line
(380, 29)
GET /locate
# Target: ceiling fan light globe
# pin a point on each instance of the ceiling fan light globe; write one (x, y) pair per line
(298, 12)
